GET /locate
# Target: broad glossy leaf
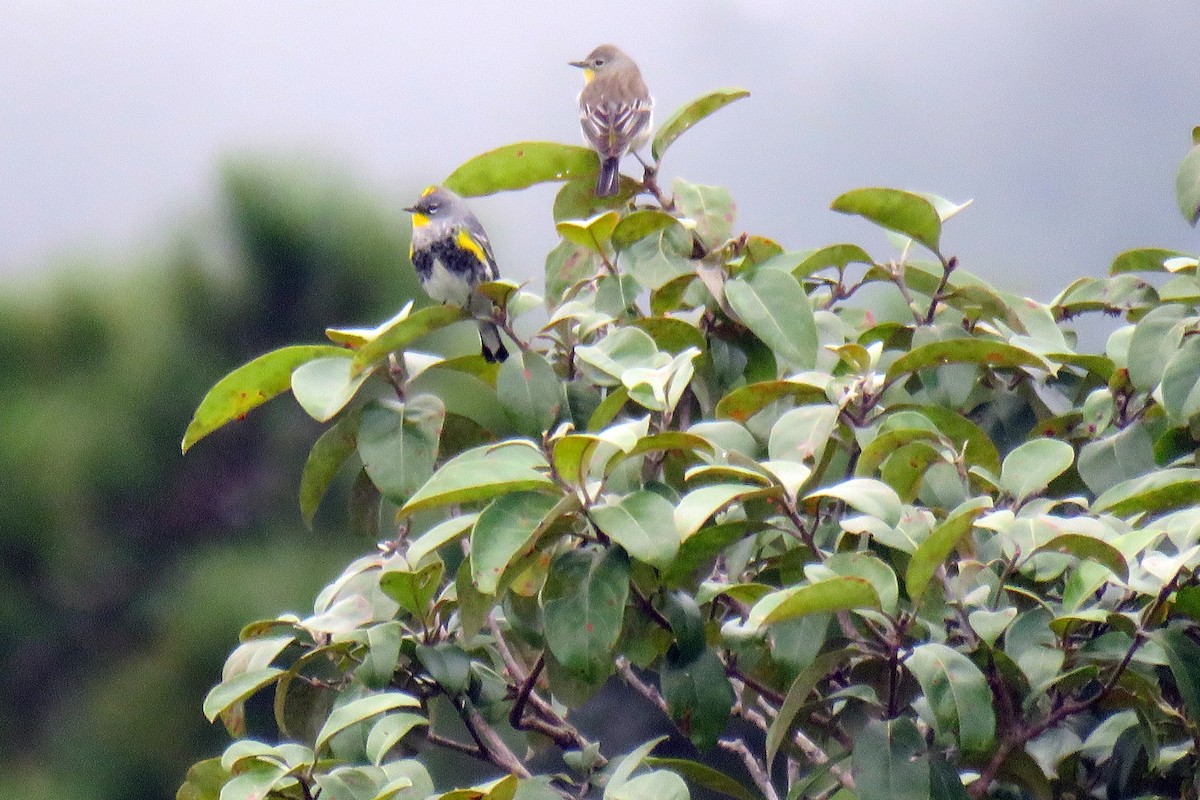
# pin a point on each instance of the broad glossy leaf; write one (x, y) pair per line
(1090, 548)
(1155, 339)
(405, 331)
(711, 208)
(835, 255)
(897, 210)
(1125, 455)
(566, 265)
(584, 603)
(324, 386)
(1031, 467)
(866, 495)
(643, 524)
(504, 531)
(203, 781)
(695, 508)
(704, 776)
(625, 765)
(743, 403)
(481, 474)
(1183, 657)
(672, 335)
(833, 594)
(699, 696)
(1156, 493)
(520, 165)
(995, 355)
(775, 308)
(958, 694)
(932, 553)
(688, 115)
(361, 709)
(638, 225)
(863, 565)
(803, 433)
(797, 695)
(658, 784)
(325, 459)
(440, 534)
(531, 392)
(593, 233)
(249, 386)
(1187, 186)
(1146, 259)
(1181, 382)
(398, 444)
(413, 589)
(890, 761)
(255, 782)
(237, 688)
(659, 257)
(388, 731)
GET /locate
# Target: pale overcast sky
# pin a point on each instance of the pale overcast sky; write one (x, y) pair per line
(1064, 120)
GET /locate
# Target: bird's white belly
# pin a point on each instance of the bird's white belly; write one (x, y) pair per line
(446, 286)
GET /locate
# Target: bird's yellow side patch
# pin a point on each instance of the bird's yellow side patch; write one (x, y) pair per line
(465, 241)
(420, 220)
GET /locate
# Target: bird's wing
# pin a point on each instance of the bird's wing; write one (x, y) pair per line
(479, 236)
(611, 126)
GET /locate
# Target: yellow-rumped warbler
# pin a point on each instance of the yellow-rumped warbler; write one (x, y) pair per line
(452, 255)
(615, 111)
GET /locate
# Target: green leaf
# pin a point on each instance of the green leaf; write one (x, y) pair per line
(625, 765)
(249, 386)
(1146, 259)
(203, 781)
(518, 166)
(803, 433)
(398, 444)
(796, 696)
(506, 529)
(481, 474)
(1181, 382)
(1187, 186)
(643, 524)
(1155, 339)
(958, 694)
(388, 731)
(1156, 493)
(711, 208)
(235, 690)
(890, 761)
(440, 534)
(324, 386)
(255, 782)
(593, 234)
(699, 697)
(743, 403)
(835, 255)
(362, 709)
(531, 393)
(325, 459)
(638, 225)
(705, 777)
(660, 257)
(695, 508)
(1090, 548)
(688, 115)
(1031, 467)
(656, 785)
(867, 495)
(897, 210)
(448, 665)
(775, 308)
(405, 331)
(566, 265)
(995, 355)
(932, 553)
(1125, 455)
(413, 589)
(584, 603)
(834, 594)
(1183, 657)
(869, 567)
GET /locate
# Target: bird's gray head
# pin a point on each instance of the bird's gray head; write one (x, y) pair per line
(603, 58)
(436, 203)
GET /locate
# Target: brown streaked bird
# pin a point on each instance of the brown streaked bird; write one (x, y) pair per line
(615, 111)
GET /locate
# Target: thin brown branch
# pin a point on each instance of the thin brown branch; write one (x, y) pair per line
(638, 685)
(758, 772)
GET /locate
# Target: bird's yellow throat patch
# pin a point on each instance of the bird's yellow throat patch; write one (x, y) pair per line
(464, 240)
(420, 220)
(588, 75)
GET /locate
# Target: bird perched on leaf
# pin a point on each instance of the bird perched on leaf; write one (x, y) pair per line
(452, 255)
(615, 111)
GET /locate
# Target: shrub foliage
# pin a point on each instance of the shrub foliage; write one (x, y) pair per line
(925, 545)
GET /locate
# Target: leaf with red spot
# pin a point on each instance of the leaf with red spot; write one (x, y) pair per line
(521, 165)
(249, 386)
(508, 529)
(584, 601)
(530, 392)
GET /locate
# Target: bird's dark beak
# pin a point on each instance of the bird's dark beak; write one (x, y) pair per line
(413, 210)
(580, 64)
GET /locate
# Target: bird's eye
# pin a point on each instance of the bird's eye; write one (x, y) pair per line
(599, 62)
(434, 206)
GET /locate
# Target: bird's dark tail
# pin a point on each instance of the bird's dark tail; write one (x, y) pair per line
(492, 345)
(609, 178)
